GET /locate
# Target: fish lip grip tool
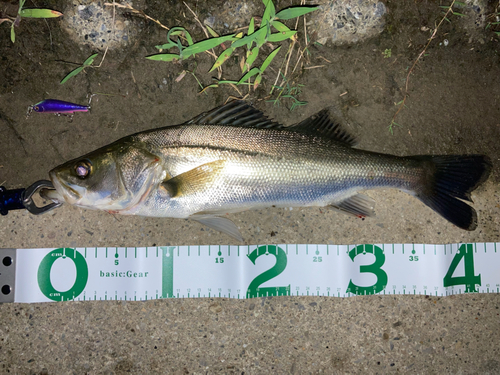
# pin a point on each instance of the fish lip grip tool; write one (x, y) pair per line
(18, 199)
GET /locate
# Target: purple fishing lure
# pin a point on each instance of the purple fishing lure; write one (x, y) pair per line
(58, 106)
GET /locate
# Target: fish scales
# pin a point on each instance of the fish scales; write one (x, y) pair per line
(270, 167)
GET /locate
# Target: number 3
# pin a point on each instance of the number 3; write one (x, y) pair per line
(374, 268)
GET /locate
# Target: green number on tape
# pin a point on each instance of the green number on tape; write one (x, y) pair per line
(281, 261)
(82, 274)
(469, 280)
(374, 268)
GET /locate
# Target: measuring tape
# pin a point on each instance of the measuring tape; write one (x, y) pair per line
(143, 273)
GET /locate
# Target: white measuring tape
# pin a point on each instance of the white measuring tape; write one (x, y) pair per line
(137, 274)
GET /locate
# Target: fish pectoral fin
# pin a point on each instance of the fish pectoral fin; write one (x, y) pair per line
(194, 180)
(359, 205)
(220, 224)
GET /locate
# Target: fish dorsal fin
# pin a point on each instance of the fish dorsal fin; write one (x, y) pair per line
(240, 113)
(235, 113)
(322, 124)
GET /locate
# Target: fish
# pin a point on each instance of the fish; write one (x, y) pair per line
(58, 107)
(233, 158)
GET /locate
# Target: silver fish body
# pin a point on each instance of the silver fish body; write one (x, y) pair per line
(250, 168)
(234, 159)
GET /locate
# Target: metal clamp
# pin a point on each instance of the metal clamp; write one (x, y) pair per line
(18, 199)
(30, 205)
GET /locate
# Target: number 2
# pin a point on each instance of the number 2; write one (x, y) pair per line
(281, 261)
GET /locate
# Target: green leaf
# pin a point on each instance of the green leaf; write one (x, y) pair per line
(249, 38)
(21, 4)
(205, 45)
(459, 4)
(278, 37)
(251, 56)
(188, 37)
(90, 60)
(12, 34)
(180, 31)
(251, 27)
(497, 32)
(212, 32)
(256, 83)
(209, 86)
(268, 59)
(294, 12)
(222, 58)
(72, 74)
(233, 82)
(261, 35)
(176, 31)
(281, 27)
(269, 12)
(458, 14)
(251, 73)
(166, 45)
(164, 57)
(39, 13)
(444, 7)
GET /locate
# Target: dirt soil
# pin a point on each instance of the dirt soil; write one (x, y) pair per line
(453, 108)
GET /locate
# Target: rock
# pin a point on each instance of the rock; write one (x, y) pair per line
(233, 15)
(347, 21)
(91, 23)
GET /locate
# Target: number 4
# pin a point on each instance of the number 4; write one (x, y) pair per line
(469, 280)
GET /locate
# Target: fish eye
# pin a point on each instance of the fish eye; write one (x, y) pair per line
(83, 168)
(36, 108)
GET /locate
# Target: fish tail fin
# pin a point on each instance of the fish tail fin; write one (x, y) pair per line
(449, 182)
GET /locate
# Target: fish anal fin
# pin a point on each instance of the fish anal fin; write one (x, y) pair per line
(194, 180)
(322, 124)
(235, 113)
(359, 205)
(220, 224)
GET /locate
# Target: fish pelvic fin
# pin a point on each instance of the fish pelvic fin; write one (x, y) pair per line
(359, 205)
(195, 180)
(323, 125)
(449, 181)
(220, 224)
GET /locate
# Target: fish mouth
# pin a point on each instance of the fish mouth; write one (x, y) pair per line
(65, 191)
(52, 195)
